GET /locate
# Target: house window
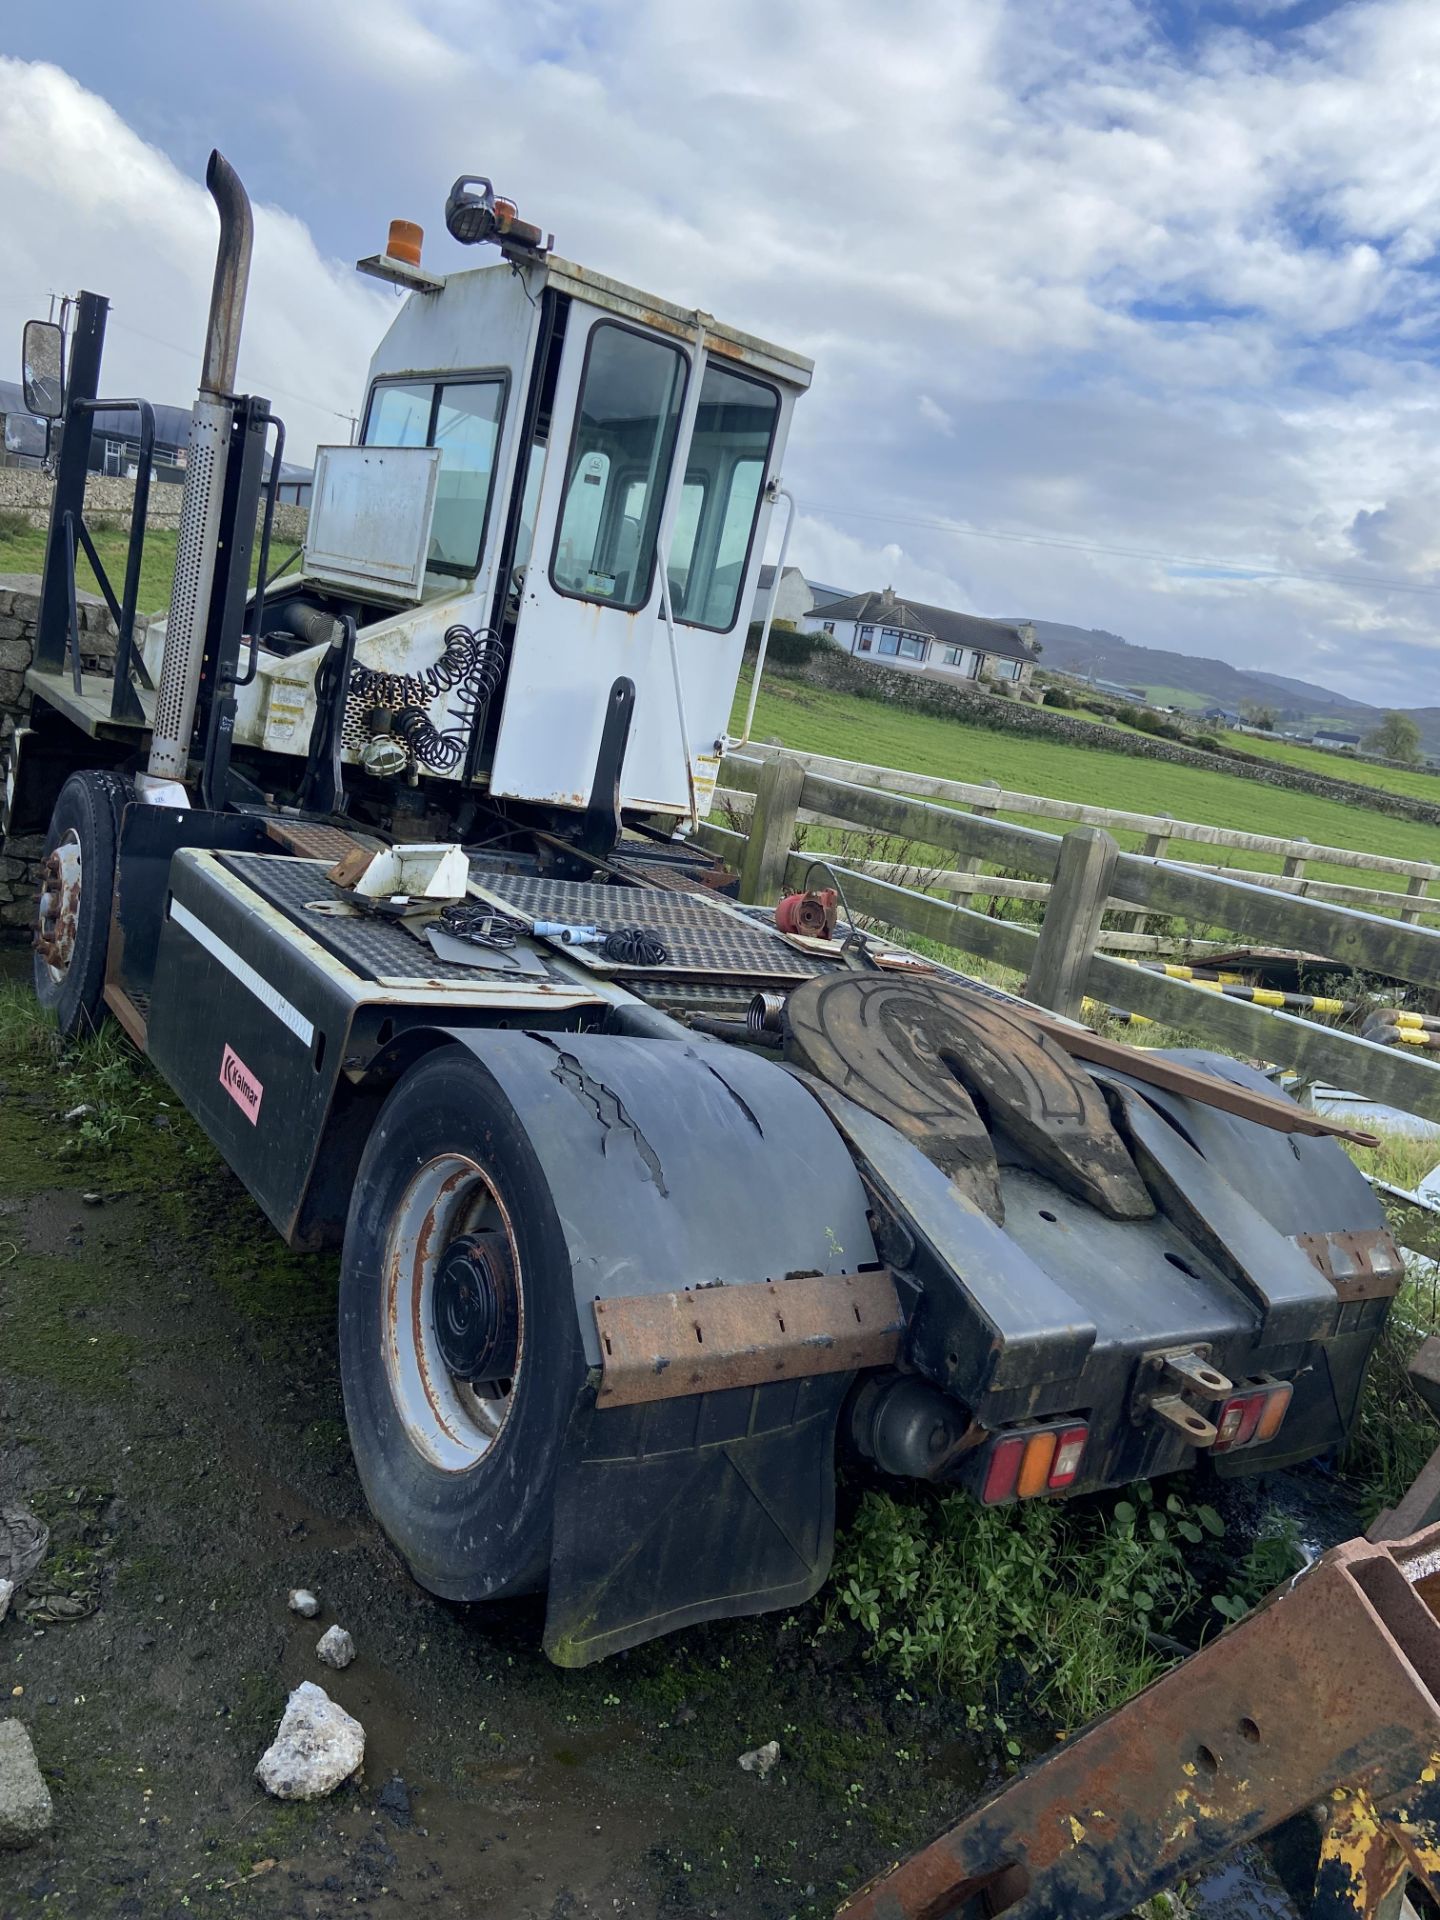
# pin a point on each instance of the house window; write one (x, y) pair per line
(827, 626)
(1007, 670)
(867, 636)
(912, 647)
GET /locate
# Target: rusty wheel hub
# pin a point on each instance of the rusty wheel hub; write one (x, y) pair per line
(453, 1328)
(57, 914)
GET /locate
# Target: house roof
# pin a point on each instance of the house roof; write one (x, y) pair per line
(172, 424)
(997, 637)
(823, 594)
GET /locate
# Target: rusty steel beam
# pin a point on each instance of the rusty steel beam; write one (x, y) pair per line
(1364, 1265)
(1328, 1694)
(658, 1346)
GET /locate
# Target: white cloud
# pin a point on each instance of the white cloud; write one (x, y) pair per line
(90, 204)
(1060, 276)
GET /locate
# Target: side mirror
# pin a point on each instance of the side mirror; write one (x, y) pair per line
(43, 369)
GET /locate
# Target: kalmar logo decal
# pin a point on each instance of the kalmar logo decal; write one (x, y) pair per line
(241, 1085)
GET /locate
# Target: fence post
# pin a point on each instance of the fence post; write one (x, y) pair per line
(1156, 846)
(1415, 891)
(1294, 867)
(971, 864)
(772, 830)
(1071, 925)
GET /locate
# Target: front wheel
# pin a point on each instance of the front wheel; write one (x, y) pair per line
(460, 1354)
(77, 889)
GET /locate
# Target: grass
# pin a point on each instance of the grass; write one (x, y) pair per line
(22, 550)
(814, 720)
(1080, 1605)
(1181, 697)
(1416, 784)
(1396, 1433)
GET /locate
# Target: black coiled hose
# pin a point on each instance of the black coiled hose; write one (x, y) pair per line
(471, 666)
(634, 947)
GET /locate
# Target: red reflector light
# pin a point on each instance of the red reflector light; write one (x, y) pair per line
(1069, 1450)
(1003, 1470)
(1250, 1416)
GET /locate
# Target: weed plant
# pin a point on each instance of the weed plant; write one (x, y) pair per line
(1088, 1601)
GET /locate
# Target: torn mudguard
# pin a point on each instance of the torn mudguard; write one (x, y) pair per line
(683, 1165)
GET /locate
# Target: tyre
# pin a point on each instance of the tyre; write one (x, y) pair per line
(460, 1353)
(77, 888)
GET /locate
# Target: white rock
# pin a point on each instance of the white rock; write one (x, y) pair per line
(762, 1759)
(7, 1594)
(335, 1648)
(303, 1602)
(317, 1746)
(25, 1806)
(79, 1113)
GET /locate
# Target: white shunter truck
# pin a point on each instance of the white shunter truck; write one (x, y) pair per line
(384, 860)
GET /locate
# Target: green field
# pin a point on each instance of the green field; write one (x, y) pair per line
(1417, 785)
(815, 721)
(1180, 697)
(22, 550)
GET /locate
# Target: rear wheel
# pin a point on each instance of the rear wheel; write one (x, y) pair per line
(77, 888)
(459, 1348)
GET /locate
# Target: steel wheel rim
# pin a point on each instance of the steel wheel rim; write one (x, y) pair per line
(445, 1418)
(57, 910)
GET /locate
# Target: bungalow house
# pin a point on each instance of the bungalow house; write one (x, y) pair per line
(891, 632)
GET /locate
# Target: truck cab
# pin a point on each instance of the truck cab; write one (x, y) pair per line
(534, 438)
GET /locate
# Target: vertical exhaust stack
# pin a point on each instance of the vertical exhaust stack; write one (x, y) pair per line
(204, 491)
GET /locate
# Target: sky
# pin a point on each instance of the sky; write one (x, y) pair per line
(1124, 313)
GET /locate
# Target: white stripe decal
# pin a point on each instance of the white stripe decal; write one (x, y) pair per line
(243, 972)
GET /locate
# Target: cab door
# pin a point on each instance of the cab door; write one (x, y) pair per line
(590, 609)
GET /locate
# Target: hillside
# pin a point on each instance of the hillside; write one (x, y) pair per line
(1185, 680)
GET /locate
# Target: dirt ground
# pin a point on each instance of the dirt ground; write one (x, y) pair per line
(170, 1406)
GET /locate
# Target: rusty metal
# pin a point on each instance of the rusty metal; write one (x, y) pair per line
(1329, 1693)
(57, 912)
(1191, 1369)
(812, 913)
(660, 1346)
(315, 842)
(1178, 1414)
(1360, 1266)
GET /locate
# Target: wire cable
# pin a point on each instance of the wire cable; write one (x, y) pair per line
(481, 926)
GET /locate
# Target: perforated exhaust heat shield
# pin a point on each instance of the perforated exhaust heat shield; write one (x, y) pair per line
(200, 514)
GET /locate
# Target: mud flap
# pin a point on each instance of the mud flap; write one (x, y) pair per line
(694, 1509)
(675, 1165)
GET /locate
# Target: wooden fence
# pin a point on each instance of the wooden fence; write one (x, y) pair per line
(1086, 873)
(1159, 833)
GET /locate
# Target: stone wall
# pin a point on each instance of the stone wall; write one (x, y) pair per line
(829, 668)
(27, 491)
(19, 617)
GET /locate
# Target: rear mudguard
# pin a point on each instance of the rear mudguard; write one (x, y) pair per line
(676, 1165)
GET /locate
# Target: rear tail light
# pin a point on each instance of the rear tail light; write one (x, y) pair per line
(1033, 1461)
(1003, 1470)
(1069, 1451)
(1252, 1416)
